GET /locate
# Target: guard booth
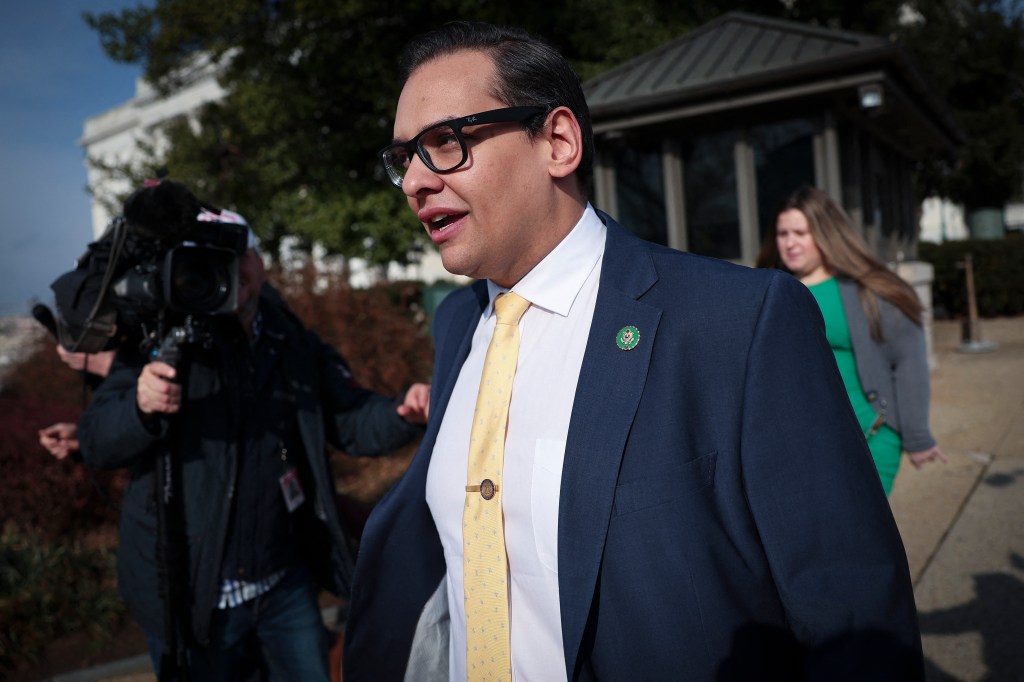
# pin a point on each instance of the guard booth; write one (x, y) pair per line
(698, 140)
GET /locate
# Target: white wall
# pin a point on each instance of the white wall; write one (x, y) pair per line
(942, 220)
(113, 136)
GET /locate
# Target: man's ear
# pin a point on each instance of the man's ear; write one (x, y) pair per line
(566, 140)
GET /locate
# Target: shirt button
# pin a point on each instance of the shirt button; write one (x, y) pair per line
(873, 396)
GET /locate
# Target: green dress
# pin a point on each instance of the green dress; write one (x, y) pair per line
(885, 444)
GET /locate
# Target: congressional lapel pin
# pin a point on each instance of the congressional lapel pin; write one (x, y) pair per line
(627, 338)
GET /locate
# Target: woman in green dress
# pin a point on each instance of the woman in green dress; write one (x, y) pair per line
(872, 321)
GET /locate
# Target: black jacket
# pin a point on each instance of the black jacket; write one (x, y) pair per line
(330, 407)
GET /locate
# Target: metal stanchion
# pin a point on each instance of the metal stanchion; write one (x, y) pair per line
(972, 341)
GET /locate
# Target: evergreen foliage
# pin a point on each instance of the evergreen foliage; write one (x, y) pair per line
(312, 87)
(998, 267)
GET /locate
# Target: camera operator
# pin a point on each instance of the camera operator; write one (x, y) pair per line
(244, 418)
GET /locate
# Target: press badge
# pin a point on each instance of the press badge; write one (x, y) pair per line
(291, 487)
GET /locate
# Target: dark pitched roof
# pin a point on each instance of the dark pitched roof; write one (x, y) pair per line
(740, 53)
(731, 50)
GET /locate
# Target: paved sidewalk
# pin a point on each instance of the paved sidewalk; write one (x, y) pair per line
(962, 522)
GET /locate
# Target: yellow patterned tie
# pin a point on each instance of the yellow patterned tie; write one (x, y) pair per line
(485, 574)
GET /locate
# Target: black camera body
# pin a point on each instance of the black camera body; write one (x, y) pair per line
(167, 258)
(198, 276)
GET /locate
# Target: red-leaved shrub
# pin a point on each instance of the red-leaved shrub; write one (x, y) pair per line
(383, 334)
(57, 499)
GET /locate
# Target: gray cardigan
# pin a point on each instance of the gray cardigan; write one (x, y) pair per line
(894, 373)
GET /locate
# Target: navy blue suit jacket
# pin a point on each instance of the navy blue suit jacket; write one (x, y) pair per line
(720, 516)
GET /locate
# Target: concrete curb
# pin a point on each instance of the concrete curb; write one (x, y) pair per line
(135, 669)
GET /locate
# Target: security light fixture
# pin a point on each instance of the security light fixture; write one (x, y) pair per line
(871, 96)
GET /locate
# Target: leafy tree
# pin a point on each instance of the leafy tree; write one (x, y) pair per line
(312, 86)
(973, 52)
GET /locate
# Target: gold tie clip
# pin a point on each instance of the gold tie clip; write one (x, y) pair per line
(486, 488)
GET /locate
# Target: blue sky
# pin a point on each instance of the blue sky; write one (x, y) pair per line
(53, 75)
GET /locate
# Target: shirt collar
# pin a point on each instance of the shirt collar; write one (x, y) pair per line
(555, 282)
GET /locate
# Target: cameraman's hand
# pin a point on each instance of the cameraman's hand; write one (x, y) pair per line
(94, 363)
(60, 439)
(157, 391)
(416, 405)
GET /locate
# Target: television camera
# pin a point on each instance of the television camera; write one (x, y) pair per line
(165, 263)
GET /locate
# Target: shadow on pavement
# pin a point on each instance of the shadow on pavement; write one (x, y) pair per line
(996, 613)
(1001, 480)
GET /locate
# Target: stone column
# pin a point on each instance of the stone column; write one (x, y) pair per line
(920, 276)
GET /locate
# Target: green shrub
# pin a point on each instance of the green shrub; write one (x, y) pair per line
(998, 275)
(48, 589)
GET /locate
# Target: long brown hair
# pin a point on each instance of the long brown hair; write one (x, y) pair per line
(844, 253)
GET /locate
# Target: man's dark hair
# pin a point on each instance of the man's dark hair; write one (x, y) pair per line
(530, 72)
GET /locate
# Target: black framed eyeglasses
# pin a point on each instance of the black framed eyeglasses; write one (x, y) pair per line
(441, 146)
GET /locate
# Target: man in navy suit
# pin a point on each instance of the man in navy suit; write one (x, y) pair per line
(686, 494)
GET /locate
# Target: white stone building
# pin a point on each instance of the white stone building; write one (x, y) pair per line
(114, 136)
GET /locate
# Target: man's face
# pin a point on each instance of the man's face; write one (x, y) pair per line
(484, 216)
(251, 276)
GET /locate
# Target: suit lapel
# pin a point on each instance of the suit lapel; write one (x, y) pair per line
(453, 344)
(610, 387)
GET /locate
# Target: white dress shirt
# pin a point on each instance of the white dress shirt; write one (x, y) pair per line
(562, 289)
